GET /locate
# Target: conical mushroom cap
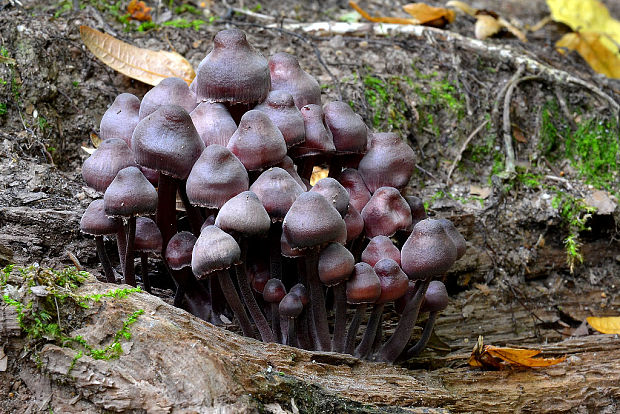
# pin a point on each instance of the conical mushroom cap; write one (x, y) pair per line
(121, 118)
(435, 298)
(388, 163)
(286, 74)
(280, 108)
(394, 281)
(353, 182)
(148, 237)
(130, 194)
(167, 141)
(348, 129)
(96, 223)
(335, 264)
(288, 165)
(179, 250)
(233, 71)
(333, 192)
(216, 177)
(214, 250)
(428, 252)
(354, 222)
(457, 238)
(102, 166)
(274, 291)
(301, 291)
(277, 190)
(312, 221)
(290, 306)
(245, 215)
(213, 123)
(363, 286)
(386, 213)
(319, 138)
(170, 91)
(257, 142)
(380, 247)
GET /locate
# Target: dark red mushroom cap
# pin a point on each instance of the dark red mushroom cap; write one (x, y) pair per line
(170, 91)
(213, 123)
(312, 221)
(347, 127)
(214, 250)
(428, 252)
(418, 212)
(277, 190)
(121, 118)
(335, 264)
(290, 306)
(151, 175)
(233, 71)
(319, 140)
(179, 250)
(301, 291)
(209, 221)
(148, 237)
(394, 281)
(354, 222)
(216, 177)
(274, 291)
(385, 213)
(288, 165)
(457, 238)
(281, 109)
(167, 141)
(258, 273)
(130, 194)
(363, 286)
(388, 163)
(286, 74)
(244, 215)
(287, 251)
(257, 142)
(334, 192)
(435, 298)
(380, 247)
(353, 182)
(96, 223)
(102, 166)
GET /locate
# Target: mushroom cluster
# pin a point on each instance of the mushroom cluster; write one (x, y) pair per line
(293, 263)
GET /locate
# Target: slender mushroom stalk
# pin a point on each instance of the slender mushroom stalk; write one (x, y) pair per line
(301, 322)
(273, 292)
(148, 240)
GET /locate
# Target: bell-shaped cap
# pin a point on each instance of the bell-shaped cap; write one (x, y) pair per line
(288, 165)
(353, 182)
(96, 223)
(334, 192)
(179, 250)
(277, 190)
(354, 222)
(380, 247)
(258, 272)
(121, 118)
(435, 298)
(281, 109)
(151, 175)
(170, 91)
(257, 142)
(428, 252)
(456, 237)
(244, 215)
(167, 141)
(290, 306)
(286, 74)
(233, 71)
(214, 250)
(386, 213)
(364, 285)
(348, 129)
(418, 213)
(148, 237)
(312, 221)
(130, 194)
(394, 281)
(216, 177)
(388, 163)
(109, 158)
(274, 291)
(319, 140)
(287, 251)
(301, 291)
(335, 264)
(213, 123)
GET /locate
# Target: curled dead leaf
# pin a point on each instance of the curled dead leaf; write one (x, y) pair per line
(429, 15)
(606, 325)
(590, 47)
(145, 65)
(381, 19)
(489, 356)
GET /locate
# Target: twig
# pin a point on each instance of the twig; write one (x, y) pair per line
(463, 148)
(259, 16)
(564, 107)
(425, 172)
(502, 93)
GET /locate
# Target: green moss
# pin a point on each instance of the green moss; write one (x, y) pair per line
(383, 96)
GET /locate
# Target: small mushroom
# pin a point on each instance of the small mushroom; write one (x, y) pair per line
(95, 222)
(286, 74)
(148, 240)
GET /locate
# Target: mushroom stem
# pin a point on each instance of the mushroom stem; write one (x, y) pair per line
(363, 349)
(378, 336)
(340, 322)
(394, 346)
(193, 213)
(129, 270)
(317, 302)
(105, 260)
(144, 264)
(426, 335)
(230, 293)
(248, 297)
(121, 245)
(289, 336)
(275, 255)
(166, 207)
(195, 296)
(303, 334)
(354, 326)
(275, 322)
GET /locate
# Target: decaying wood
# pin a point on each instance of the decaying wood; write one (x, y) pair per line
(177, 363)
(9, 326)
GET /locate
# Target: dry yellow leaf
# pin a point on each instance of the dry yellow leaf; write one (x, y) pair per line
(592, 50)
(317, 174)
(606, 325)
(429, 15)
(489, 356)
(381, 19)
(462, 6)
(145, 65)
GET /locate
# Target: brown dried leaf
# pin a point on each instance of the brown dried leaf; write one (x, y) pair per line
(139, 11)
(489, 356)
(145, 65)
(606, 325)
(429, 15)
(592, 50)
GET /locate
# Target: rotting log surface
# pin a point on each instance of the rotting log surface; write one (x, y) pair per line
(177, 363)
